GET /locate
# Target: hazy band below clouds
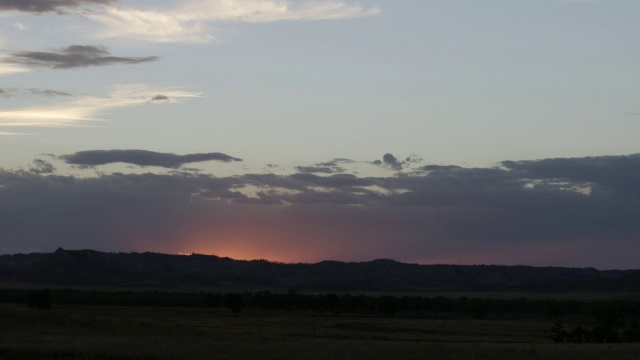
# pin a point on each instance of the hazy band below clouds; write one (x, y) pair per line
(464, 215)
(190, 22)
(84, 109)
(141, 158)
(42, 6)
(74, 56)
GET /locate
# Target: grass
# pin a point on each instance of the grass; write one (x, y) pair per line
(93, 332)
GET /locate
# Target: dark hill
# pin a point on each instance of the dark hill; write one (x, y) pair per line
(88, 268)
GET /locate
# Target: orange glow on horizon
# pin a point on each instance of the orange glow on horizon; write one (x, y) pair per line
(248, 247)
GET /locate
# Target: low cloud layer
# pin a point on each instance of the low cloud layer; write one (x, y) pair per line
(141, 158)
(568, 212)
(74, 56)
(43, 6)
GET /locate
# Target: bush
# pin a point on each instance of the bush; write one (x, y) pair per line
(39, 299)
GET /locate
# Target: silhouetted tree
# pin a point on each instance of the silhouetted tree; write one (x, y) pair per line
(388, 305)
(558, 333)
(39, 299)
(233, 302)
(211, 300)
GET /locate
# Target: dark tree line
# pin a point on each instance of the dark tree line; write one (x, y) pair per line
(293, 300)
(614, 324)
(613, 321)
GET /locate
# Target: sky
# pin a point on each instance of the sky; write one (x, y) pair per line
(435, 131)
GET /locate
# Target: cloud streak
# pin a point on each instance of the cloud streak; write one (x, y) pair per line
(11, 92)
(83, 109)
(142, 158)
(192, 21)
(43, 6)
(9, 69)
(74, 56)
(6, 133)
(7, 92)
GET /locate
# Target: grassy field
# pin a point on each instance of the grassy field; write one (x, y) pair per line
(92, 332)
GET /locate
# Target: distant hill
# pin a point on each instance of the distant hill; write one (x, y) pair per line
(93, 269)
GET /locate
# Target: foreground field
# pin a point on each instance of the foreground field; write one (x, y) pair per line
(92, 332)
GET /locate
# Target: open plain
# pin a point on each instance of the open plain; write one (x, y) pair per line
(117, 332)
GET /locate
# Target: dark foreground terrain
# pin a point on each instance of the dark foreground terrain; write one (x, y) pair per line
(91, 305)
(221, 330)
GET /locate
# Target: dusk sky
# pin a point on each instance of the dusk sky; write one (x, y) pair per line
(425, 131)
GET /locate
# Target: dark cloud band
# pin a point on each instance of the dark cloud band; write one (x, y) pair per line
(567, 209)
(141, 158)
(42, 6)
(4, 92)
(74, 56)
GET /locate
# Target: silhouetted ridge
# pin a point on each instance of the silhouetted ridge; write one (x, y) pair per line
(89, 268)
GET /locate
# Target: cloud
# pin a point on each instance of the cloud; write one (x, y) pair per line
(42, 6)
(48, 92)
(74, 56)
(141, 158)
(83, 109)
(191, 22)
(598, 171)
(42, 167)
(160, 97)
(315, 169)
(327, 167)
(7, 92)
(8, 69)
(11, 92)
(391, 161)
(5, 133)
(20, 26)
(440, 167)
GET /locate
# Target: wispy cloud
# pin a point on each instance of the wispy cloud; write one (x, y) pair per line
(7, 92)
(191, 22)
(8, 69)
(43, 6)
(4, 133)
(48, 92)
(87, 108)
(20, 26)
(11, 92)
(74, 56)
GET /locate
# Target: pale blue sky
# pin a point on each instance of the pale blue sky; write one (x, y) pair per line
(310, 94)
(464, 82)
